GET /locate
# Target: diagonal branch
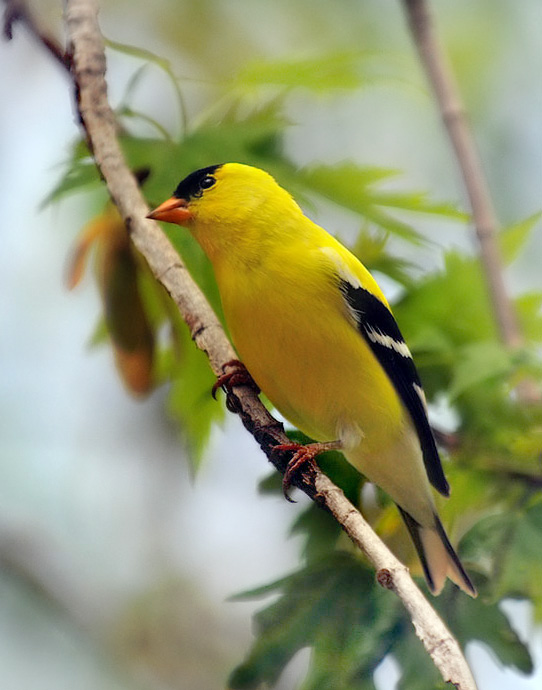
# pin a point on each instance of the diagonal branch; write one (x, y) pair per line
(97, 119)
(453, 114)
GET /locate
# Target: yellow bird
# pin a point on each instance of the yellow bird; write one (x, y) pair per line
(318, 337)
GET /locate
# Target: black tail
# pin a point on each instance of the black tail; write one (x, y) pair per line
(437, 555)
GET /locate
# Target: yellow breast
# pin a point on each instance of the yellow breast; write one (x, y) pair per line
(290, 327)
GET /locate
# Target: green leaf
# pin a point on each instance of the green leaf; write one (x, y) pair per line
(506, 547)
(371, 249)
(520, 571)
(190, 401)
(529, 308)
(356, 189)
(476, 619)
(162, 63)
(477, 363)
(128, 113)
(320, 531)
(452, 303)
(334, 607)
(140, 53)
(418, 672)
(79, 175)
(99, 335)
(513, 238)
(322, 73)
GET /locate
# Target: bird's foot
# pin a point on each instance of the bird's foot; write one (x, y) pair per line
(236, 376)
(303, 456)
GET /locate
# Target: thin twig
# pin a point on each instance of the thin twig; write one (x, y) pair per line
(391, 573)
(97, 119)
(442, 80)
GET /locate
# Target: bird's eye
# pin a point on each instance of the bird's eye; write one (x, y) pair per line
(208, 181)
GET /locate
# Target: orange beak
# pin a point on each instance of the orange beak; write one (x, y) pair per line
(172, 211)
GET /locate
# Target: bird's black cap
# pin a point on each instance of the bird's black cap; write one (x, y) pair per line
(192, 186)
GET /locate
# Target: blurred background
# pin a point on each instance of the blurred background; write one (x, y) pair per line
(116, 563)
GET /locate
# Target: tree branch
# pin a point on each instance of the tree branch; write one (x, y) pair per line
(443, 83)
(88, 69)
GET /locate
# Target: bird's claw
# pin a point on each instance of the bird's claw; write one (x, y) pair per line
(237, 376)
(303, 456)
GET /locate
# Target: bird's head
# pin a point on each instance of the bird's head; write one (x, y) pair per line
(229, 208)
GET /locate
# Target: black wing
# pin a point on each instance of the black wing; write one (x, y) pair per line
(376, 324)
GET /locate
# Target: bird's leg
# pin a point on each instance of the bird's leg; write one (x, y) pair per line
(302, 456)
(237, 376)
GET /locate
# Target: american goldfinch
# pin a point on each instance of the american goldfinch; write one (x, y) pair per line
(318, 337)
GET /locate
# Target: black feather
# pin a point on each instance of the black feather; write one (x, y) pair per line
(374, 320)
(414, 530)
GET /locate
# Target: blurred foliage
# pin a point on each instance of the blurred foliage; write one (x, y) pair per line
(333, 604)
(127, 319)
